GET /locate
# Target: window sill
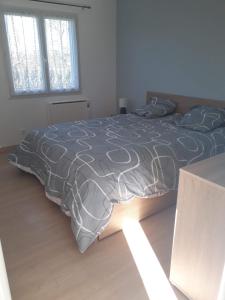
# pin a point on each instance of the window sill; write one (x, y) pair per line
(44, 95)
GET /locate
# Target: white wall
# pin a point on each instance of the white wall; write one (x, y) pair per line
(97, 44)
(5, 293)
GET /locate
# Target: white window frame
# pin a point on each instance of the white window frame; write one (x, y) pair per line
(43, 48)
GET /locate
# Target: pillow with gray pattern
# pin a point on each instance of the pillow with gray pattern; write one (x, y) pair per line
(156, 108)
(203, 118)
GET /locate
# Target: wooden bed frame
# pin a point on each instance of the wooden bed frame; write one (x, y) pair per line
(140, 208)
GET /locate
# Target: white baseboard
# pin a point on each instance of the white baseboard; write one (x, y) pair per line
(6, 149)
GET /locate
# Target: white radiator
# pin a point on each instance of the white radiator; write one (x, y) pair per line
(67, 111)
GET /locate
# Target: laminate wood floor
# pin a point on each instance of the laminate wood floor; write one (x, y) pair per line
(42, 258)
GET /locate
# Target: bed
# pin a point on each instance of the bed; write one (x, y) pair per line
(140, 208)
(100, 171)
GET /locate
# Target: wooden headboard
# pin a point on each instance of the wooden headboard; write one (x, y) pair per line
(184, 103)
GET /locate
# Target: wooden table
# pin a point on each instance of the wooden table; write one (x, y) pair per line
(198, 255)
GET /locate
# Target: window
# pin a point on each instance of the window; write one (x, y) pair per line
(43, 54)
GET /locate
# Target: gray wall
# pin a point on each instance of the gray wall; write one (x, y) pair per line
(175, 46)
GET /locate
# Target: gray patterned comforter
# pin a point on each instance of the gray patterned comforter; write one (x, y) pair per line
(88, 166)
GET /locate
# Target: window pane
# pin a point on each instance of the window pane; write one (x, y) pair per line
(25, 54)
(62, 54)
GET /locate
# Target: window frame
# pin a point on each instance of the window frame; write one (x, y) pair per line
(41, 16)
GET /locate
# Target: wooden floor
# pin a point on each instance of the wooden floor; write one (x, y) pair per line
(43, 261)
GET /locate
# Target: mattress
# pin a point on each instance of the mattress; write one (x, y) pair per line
(88, 166)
